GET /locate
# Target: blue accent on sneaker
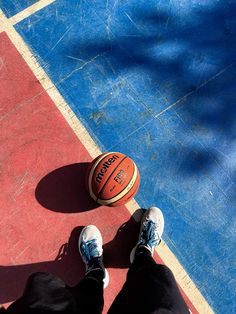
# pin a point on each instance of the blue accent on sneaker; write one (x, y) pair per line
(149, 236)
(89, 250)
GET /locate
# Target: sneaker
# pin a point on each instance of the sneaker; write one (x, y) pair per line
(90, 248)
(152, 226)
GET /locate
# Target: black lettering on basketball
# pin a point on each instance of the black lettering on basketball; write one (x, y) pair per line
(99, 177)
(112, 188)
(104, 168)
(119, 178)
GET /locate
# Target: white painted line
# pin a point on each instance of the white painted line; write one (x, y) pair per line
(52, 91)
(164, 252)
(29, 11)
(181, 276)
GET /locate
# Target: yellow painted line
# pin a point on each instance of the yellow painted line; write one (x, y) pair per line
(164, 252)
(29, 11)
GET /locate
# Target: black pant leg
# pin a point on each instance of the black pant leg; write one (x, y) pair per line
(89, 293)
(44, 293)
(149, 288)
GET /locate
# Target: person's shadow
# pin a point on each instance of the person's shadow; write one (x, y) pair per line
(63, 190)
(68, 264)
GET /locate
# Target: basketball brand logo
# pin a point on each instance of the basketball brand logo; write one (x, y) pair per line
(113, 179)
(119, 178)
(104, 168)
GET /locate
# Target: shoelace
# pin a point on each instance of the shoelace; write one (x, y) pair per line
(149, 235)
(89, 249)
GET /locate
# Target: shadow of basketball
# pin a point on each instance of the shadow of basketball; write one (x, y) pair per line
(63, 190)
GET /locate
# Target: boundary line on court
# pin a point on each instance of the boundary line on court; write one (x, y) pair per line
(183, 279)
(29, 11)
(20, 16)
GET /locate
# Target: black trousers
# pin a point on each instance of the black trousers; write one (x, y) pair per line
(150, 288)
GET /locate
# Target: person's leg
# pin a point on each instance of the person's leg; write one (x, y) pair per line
(89, 292)
(149, 288)
(44, 293)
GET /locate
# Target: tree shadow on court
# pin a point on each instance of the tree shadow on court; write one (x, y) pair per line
(63, 190)
(68, 264)
(176, 57)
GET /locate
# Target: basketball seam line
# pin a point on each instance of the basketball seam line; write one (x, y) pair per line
(124, 187)
(109, 177)
(93, 168)
(120, 195)
(134, 192)
(194, 295)
(95, 163)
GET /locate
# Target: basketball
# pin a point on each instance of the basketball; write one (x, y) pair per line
(112, 179)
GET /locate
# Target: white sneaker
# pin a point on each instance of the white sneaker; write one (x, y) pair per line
(151, 230)
(90, 248)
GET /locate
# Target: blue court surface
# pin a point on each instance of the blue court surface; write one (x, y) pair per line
(12, 7)
(157, 80)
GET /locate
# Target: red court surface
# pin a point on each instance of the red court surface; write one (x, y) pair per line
(43, 201)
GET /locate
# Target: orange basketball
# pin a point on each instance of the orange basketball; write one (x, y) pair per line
(112, 179)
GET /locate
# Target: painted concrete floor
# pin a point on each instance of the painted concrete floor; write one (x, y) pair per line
(152, 79)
